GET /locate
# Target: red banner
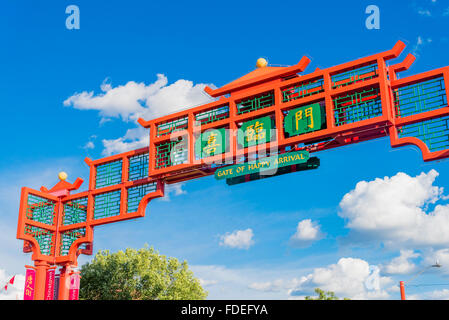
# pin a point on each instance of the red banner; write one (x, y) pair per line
(74, 287)
(49, 284)
(30, 278)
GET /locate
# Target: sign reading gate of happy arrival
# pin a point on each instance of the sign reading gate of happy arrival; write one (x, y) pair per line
(265, 164)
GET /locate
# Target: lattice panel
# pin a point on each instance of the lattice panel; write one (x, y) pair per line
(355, 75)
(40, 209)
(68, 238)
(109, 174)
(212, 115)
(303, 89)
(434, 133)
(135, 194)
(172, 126)
(43, 237)
(75, 211)
(138, 167)
(357, 106)
(171, 153)
(258, 102)
(420, 97)
(107, 204)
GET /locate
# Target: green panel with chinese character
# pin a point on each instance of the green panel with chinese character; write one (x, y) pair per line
(305, 119)
(255, 132)
(211, 142)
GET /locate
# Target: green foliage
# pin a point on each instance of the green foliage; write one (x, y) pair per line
(329, 295)
(141, 274)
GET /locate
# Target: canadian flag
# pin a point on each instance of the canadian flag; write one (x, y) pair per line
(11, 281)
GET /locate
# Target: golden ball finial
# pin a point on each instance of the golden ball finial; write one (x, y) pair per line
(261, 62)
(62, 175)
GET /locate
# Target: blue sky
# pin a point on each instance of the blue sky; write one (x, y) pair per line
(124, 45)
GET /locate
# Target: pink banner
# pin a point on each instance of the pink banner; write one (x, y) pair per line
(49, 284)
(30, 278)
(74, 287)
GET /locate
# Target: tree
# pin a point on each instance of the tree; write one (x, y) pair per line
(141, 274)
(329, 295)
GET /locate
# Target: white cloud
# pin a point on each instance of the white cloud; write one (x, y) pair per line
(173, 189)
(15, 290)
(420, 42)
(307, 232)
(123, 101)
(206, 283)
(134, 100)
(133, 139)
(396, 211)
(277, 285)
(424, 12)
(413, 297)
(394, 288)
(261, 282)
(89, 145)
(178, 96)
(401, 264)
(349, 277)
(439, 294)
(240, 239)
(442, 294)
(268, 286)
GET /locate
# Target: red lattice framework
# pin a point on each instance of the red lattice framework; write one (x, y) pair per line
(58, 226)
(363, 99)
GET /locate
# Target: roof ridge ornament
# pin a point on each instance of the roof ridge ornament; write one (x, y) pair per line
(261, 63)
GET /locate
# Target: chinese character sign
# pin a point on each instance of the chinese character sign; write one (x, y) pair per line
(30, 278)
(304, 119)
(255, 132)
(210, 143)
